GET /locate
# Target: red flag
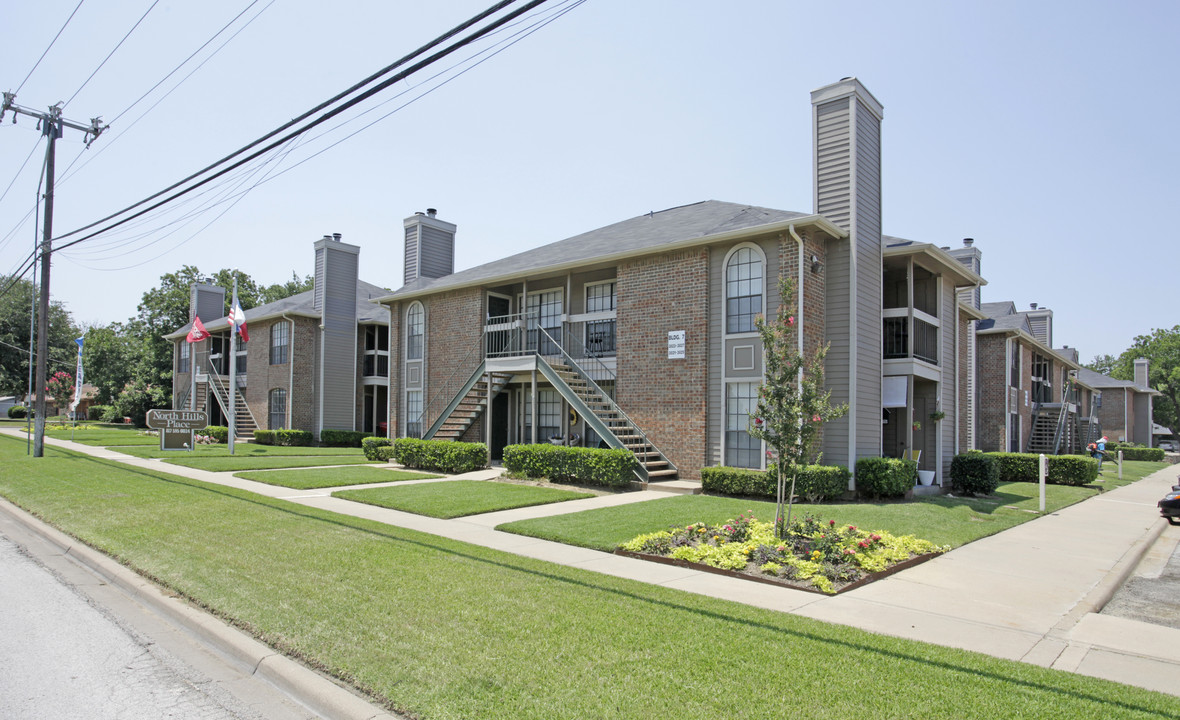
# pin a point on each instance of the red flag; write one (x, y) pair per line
(198, 331)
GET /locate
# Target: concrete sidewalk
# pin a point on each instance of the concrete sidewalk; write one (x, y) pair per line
(1030, 593)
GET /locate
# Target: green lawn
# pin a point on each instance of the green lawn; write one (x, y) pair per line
(941, 520)
(102, 436)
(240, 450)
(442, 629)
(1132, 470)
(458, 498)
(261, 462)
(332, 477)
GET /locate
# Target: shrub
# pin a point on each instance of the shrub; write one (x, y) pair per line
(18, 412)
(589, 466)
(885, 477)
(97, 412)
(111, 415)
(976, 473)
(342, 438)
(1063, 469)
(440, 455)
(1139, 453)
(374, 448)
(219, 433)
(264, 437)
(293, 438)
(815, 483)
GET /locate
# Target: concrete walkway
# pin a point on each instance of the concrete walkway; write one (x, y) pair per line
(1031, 593)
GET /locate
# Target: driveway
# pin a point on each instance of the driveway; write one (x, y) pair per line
(1152, 593)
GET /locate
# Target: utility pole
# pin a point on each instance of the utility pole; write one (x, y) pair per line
(51, 124)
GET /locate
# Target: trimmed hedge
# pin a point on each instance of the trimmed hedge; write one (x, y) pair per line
(1138, 453)
(885, 477)
(18, 412)
(377, 448)
(1063, 469)
(440, 455)
(815, 483)
(284, 436)
(342, 438)
(976, 473)
(97, 412)
(219, 433)
(559, 463)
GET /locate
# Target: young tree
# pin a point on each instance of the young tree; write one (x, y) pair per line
(60, 389)
(792, 404)
(110, 356)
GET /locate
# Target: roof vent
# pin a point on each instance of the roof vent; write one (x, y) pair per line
(326, 237)
(1033, 306)
(336, 236)
(968, 242)
(431, 212)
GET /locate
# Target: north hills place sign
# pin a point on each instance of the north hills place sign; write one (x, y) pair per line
(176, 427)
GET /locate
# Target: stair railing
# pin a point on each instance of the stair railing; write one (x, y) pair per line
(221, 389)
(607, 373)
(442, 400)
(1062, 417)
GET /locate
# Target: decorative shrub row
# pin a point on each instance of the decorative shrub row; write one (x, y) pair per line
(440, 455)
(18, 412)
(814, 483)
(559, 463)
(976, 473)
(284, 436)
(1138, 453)
(219, 433)
(342, 438)
(1063, 469)
(885, 477)
(377, 448)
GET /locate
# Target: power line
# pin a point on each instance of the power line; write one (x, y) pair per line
(112, 52)
(51, 42)
(363, 96)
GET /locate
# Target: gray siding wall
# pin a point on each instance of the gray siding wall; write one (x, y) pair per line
(948, 389)
(411, 256)
(336, 265)
(833, 188)
(206, 302)
(437, 253)
(866, 232)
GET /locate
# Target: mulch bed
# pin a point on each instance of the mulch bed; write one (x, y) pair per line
(752, 573)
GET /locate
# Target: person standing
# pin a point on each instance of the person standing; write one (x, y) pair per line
(1099, 451)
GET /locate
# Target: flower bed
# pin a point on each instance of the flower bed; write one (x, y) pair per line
(812, 555)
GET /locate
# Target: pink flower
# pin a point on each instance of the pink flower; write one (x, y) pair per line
(758, 421)
(831, 523)
(851, 528)
(791, 320)
(816, 418)
(863, 544)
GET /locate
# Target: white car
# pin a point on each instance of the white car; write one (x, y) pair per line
(1168, 446)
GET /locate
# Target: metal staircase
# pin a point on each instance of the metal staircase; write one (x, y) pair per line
(244, 422)
(470, 405)
(1056, 427)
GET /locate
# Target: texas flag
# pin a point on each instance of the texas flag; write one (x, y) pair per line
(237, 318)
(198, 331)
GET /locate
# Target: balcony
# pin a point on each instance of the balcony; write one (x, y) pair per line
(907, 337)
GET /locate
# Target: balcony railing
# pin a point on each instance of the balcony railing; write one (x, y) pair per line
(523, 334)
(897, 339)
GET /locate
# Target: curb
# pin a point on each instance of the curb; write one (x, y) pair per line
(317, 691)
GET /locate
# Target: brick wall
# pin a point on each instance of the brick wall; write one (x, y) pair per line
(454, 322)
(962, 395)
(1113, 414)
(992, 377)
(666, 398)
(814, 295)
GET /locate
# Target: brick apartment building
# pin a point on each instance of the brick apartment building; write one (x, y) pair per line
(640, 334)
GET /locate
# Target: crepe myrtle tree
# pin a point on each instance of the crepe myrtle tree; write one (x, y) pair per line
(792, 404)
(60, 388)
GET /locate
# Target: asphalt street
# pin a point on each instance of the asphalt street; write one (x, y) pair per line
(73, 648)
(1152, 593)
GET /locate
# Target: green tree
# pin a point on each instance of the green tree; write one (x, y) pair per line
(1162, 349)
(1103, 364)
(278, 291)
(60, 389)
(110, 355)
(15, 313)
(792, 404)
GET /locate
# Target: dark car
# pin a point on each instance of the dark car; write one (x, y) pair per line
(1170, 506)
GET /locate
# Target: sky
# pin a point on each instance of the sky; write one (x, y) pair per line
(1040, 129)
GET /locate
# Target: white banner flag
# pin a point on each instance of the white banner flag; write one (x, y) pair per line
(77, 378)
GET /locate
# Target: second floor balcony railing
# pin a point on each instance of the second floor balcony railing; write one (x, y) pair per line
(524, 334)
(920, 343)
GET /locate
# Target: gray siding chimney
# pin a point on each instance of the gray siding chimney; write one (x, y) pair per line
(1142, 378)
(336, 266)
(846, 121)
(972, 258)
(430, 246)
(206, 302)
(1040, 320)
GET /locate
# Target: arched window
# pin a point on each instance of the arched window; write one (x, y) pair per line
(277, 408)
(743, 289)
(414, 331)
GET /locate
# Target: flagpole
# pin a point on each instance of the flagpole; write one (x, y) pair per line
(233, 366)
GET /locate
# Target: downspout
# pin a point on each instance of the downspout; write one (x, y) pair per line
(319, 394)
(290, 370)
(799, 293)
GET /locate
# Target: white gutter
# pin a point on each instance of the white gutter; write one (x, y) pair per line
(799, 293)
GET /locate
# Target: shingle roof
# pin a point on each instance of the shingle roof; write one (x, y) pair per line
(1100, 381)
(304, 304)
(645, 232)
(1004, 322)
(998, 309)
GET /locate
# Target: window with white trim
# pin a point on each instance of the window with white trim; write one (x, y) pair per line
(415, 331)
(376, 360)
(600, 334)
(741, 449)
(743, 290)
(277, 408)
(280, 342)
(182, 364)
(414, 413)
